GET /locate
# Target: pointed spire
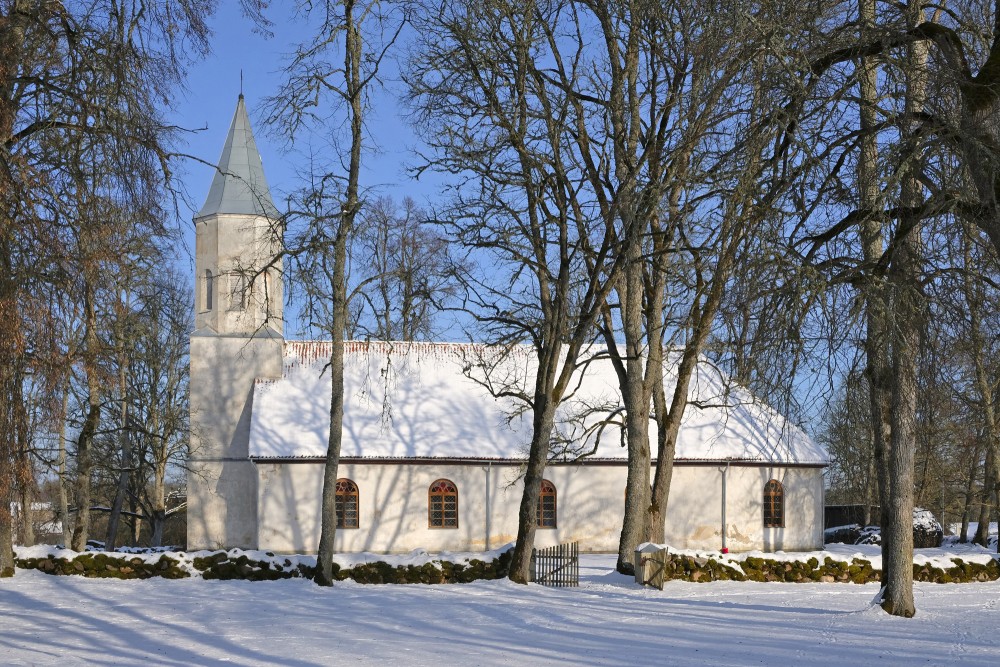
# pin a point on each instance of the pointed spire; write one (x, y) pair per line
(239, 185)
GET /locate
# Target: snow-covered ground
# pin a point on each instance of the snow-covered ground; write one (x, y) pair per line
(609, 620)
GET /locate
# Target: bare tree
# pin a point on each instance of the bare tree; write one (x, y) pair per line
(149, 433)
(402, 276)
(921, 121)
(873, 247)
(340, 62)
(162, 412)
(493, 109)
(847, 435)
(98, 70)
(980, 348)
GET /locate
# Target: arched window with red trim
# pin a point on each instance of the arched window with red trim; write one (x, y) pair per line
(546, 515)
(774, 505)
(347, 504)
(442, 504)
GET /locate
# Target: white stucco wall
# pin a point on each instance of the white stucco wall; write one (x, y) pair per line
(222, 482)
(393, 507)
(695, 508)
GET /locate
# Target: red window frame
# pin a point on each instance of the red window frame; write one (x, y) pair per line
(442, 504)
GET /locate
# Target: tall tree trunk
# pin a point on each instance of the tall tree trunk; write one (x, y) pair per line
(974, 299)
(543, 419)
(355, 88)
(897, 541)
(125, 449)
(665, 444)
(157, 523)
(991, 494)
(704, 307)
(701, 316)
(671, 425)
(121, 490)
(982, 536)
(666, 447)
(6, 520)
(328, 528)
(92, 420)
(873, 289)
(62, 481)
(6, 547)
(26, 487)
(907, 308)
(159, 514)
(970, 484)
(10, 386)
(635, 399)
(12, 37)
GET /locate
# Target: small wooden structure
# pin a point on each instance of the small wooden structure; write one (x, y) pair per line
(650, 565)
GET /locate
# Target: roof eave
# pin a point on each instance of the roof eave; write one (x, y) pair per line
(467, 460)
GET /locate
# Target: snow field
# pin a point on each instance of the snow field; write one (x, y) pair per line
(609, 620)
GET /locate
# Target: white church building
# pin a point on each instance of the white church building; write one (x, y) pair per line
(430, 458)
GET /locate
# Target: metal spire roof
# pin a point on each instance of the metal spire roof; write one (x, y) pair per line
(239, 185)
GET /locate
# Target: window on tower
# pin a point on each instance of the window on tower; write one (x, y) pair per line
(237, 291)
(209, 288)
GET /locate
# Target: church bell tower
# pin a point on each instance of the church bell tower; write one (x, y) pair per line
(238, 337)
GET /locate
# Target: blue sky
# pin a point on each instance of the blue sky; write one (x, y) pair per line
(208, 105)
(214, 84)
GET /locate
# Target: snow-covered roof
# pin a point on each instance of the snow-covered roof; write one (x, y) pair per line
(431, 400)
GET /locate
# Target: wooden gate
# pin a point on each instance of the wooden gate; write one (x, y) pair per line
(653, 568)
(556, 566)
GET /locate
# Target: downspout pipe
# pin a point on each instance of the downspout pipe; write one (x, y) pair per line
(488, 469)
(725, 476)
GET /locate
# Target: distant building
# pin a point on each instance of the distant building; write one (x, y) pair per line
(45, 522)
(430, 458)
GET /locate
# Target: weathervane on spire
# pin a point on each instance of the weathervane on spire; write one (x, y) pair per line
(241, 83)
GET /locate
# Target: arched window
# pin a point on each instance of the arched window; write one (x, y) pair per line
(347, 503)
(209, 288)
(774, 505)
(546, 515)
(442, 504)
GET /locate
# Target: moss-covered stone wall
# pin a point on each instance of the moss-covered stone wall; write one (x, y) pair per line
(107, 566)
(237, 565)
(697, 568)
